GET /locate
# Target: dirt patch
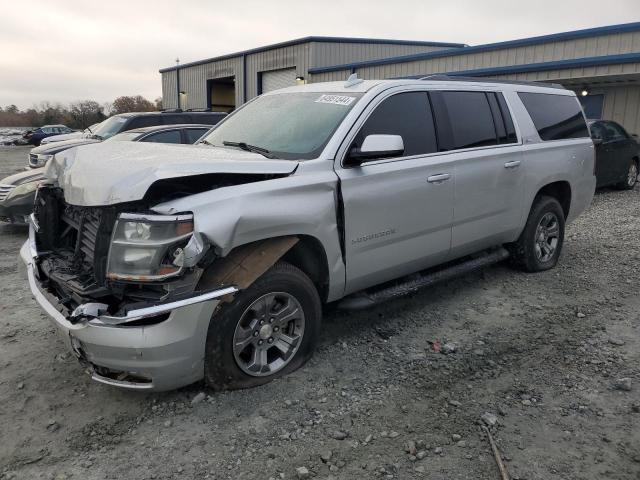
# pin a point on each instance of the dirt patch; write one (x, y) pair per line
(553, 357)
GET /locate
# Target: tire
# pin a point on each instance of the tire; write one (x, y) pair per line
(527, 253)
(631, 178)
(228, 368)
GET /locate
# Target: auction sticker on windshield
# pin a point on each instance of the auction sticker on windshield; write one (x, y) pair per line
(336, 99)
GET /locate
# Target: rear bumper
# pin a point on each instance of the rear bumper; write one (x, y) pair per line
(157, 357)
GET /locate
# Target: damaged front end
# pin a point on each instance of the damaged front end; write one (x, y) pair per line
(119, 263)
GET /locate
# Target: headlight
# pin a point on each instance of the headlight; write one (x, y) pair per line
(147, 248)
(40, 160)
(24, 189)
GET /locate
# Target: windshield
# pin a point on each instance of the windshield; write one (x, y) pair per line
(287, 125)
(125, 137)
(109, 127)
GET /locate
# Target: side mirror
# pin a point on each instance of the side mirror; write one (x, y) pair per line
(596, 141)
(635, 135)
(376, 147)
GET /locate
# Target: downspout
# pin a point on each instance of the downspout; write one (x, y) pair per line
(244, 78)
(178, 86)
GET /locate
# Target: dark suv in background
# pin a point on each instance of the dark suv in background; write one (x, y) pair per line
(123, 122)
(35, 136)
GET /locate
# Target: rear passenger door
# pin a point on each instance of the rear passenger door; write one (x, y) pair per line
(476, 130)
(397, 211)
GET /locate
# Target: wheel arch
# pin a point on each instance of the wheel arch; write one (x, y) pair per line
(560, 190)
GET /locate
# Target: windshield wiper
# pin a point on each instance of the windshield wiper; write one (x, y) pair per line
(249, 148)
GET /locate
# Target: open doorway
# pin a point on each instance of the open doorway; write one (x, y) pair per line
(222, 94)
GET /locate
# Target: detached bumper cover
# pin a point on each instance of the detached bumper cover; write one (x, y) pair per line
(162, 356)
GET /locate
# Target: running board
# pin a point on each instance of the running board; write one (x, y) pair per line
(366, 299)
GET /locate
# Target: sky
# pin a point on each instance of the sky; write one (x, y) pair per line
(73, 50)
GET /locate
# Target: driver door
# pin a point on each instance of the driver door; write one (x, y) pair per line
(398, 212)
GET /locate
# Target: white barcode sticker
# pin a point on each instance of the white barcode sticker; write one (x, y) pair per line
(336, 99)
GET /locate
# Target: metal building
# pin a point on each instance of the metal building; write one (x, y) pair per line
(601, 64)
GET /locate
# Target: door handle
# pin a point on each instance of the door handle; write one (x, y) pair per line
(514, 164)
(438, 178)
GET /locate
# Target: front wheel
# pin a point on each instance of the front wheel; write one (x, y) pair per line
(631, 178)
(540, 243)
(268, 330)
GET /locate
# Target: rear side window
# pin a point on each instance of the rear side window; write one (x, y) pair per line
(207, 118)
(556, 117)
(464, 120)
(405, 114)
(170, 119)
(193, 134)
(171, 136)
(140, 122)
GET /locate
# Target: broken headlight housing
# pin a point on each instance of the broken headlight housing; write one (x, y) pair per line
(148, 248)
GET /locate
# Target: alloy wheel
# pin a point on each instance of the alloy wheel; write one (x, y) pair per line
(268, 334)
(547, 237)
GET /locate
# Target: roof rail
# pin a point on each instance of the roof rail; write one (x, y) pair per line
(205, 109)
(455, 78)
(171, 110)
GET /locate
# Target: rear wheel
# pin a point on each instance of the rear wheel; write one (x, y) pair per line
(540, 243)
(270, 329)
(631, 178)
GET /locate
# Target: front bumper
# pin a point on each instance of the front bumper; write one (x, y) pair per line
(157, 357)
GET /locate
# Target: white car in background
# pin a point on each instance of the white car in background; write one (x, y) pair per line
(71, 136)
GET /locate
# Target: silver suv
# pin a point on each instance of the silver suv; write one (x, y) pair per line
(213, 261)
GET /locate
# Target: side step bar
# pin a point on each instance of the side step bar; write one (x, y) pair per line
(361, 300)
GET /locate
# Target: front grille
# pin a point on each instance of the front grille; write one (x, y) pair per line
(5, 190)
(33, 160)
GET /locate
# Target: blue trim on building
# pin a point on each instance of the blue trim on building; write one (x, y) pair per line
(589, 32)
(543, 66)
(299, 41)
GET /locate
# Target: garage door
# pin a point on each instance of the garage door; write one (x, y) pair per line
(276, 79)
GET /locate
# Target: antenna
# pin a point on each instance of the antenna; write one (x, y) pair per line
(353, 80)
(177, 61)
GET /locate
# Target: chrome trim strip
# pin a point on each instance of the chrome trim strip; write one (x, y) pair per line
(155, 218)
(121, 383)
(163, 308)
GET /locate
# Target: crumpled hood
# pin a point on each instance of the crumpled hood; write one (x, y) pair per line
(118, 172)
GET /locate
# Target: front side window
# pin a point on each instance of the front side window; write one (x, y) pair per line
(288, 125)
(171, 136)
(194, 134)
(464, 120)
(556, 117)
(405, 114)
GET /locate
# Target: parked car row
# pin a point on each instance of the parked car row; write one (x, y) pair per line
(35, 136)
(219, 257)
(17, 191)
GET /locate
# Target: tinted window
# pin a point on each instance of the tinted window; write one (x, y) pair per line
(464, 120)
(405, 114)
(556, 117)
(193, 134)
(508, 121)
(140, 122)
(614, 131)
(171, 136)
(171, 119)
(207, 118)
(598, 131)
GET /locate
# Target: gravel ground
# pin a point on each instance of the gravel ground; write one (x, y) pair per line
(551, 361)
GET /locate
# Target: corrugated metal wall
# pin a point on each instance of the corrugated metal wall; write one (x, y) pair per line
(610, 44)
(169, 90)
(622, 104)
(337, 53)
(193, 79)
